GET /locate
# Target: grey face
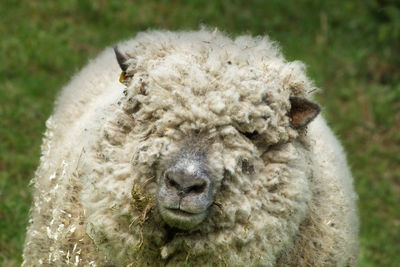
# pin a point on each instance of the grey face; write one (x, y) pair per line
(185, 190)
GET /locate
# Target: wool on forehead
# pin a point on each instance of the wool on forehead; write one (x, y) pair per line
(202, 80)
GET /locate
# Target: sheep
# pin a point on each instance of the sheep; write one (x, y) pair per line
(191, 149)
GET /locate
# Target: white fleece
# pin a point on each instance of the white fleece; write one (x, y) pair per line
(287, 196)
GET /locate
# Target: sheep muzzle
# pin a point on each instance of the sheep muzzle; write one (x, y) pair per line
(185, 190)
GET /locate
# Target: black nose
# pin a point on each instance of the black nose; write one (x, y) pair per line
(186, 183)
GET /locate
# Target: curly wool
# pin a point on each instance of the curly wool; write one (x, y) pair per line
(287, 197)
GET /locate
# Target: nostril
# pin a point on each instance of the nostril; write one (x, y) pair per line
(171, 182)
(197, 189)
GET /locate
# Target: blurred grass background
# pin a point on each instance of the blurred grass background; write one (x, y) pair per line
(351, 48)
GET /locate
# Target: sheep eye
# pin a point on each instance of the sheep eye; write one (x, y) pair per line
(251, 136)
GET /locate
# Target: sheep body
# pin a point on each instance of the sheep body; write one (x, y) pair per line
(287, 198)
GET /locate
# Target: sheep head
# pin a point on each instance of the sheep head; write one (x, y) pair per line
(186, 183)
(202, 120)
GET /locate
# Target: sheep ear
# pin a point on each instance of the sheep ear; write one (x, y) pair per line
(121, 58)
(302, 112)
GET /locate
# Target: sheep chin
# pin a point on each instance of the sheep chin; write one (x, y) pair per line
(181, 219)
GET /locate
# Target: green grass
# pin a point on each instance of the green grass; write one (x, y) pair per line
(350, 48)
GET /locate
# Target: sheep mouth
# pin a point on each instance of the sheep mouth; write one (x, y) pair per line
(181, 219)
(180, 212)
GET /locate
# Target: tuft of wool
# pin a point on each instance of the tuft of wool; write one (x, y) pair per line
(287, 197)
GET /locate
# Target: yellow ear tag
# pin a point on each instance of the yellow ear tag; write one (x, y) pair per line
(122, 77)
